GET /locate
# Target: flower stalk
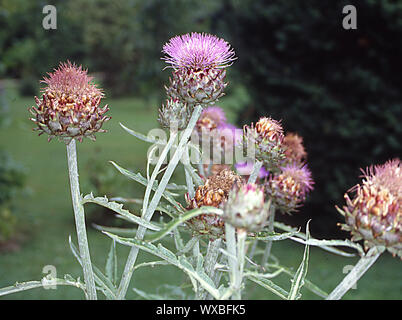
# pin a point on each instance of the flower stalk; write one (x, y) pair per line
(79, 216)
(147, 215)
(356, 273)
(268, 247)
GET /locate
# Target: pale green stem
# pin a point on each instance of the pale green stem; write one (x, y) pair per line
(129, 268)
(241, 253)
(268, 247)
(256, 170)
(18, 287)
(79, 216)
(230, 234)
(162, 157)
(356, 273)
(210, 261)
(189, 178)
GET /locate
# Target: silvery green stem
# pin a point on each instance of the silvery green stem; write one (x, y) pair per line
(356, 273)
(256, 170)
(161, 159)
(268, 247)
(129, 268)
(241, 252)
(79, 216)
(210, 261)
(189, 179)
(230, 234)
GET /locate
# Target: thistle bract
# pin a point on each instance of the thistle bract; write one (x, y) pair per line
(69, 107)
(289, 188)
(174, 114)
(197, 86)
(214, 193)
(267, 138)
(374, 213)
(199, 61)
(245, 208)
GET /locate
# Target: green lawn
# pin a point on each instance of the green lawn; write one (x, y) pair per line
(46, 214)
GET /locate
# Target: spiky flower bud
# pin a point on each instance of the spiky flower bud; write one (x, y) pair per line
(267, 138)
(375, 211)
(69, 108)
(199, 61)
(294, 149)
(175, 114)
(245, 208)
(214, 193)
(289, 188)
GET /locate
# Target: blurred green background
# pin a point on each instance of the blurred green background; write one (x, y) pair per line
(339, 89)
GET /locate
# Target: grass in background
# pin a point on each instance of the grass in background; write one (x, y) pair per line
(46, 215)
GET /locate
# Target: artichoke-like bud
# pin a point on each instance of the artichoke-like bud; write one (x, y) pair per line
(246, 209)
(175, 114)
(294, 149)
(289, 188)
(267, 139)
(197, 86)
(69, 107)
(199, 61)
(214, 193)
(374, 213)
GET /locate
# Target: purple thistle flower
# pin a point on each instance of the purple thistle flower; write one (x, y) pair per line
(198, 51)
(245, 169)
(211, 118)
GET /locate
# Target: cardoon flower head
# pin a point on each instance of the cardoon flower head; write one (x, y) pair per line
(174, 115)
(214, 193)
(294, 149)
(289, 188)
(267, 139)
(375, 211)
(245, 208)
(198, 51)
(69, 108)
(199, 61)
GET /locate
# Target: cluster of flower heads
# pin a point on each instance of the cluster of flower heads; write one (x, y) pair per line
(69, 107)
(374, 213)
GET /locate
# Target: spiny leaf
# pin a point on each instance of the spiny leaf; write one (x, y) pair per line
(142, 136)
(165, 254)
(269, 285)
(174, 223)
(298, 279)
(301, 235)
(111, 263)
(118, 208)
(140, 179)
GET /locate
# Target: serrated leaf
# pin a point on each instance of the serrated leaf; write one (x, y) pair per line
(142, 136)
(329, 243)
(118, 208)
(174, 223)
(298, 279)
(301, 235)
(269, 285)
(165, 254)
(140, 179)
(272, 236)
(307, 283)
(111, 263)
